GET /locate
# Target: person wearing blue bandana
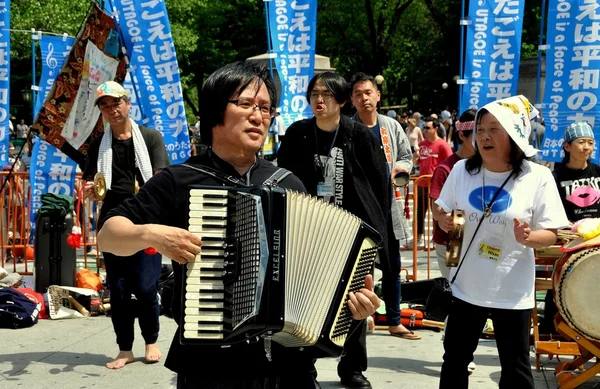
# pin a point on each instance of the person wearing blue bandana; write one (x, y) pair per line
(578, 181)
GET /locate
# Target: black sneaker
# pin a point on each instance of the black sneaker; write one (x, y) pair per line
(356, 380)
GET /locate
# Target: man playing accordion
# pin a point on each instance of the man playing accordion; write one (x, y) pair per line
(236, 106)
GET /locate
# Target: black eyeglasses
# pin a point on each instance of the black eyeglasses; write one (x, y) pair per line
(325, 95)
(427, 128)
(266, 110)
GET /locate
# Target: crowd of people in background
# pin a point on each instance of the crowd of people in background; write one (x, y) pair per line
(20, 142)
(455, 154)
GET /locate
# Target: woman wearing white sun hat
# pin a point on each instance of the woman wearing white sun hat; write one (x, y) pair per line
(512, 206)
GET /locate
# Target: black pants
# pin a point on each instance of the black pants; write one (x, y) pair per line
(550, 311)
(283, 380)
(354, 360)
(138, 274)
(390, 282)
(422, 206)
(511, 329)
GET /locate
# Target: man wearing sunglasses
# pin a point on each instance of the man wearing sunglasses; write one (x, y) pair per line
(432, 151)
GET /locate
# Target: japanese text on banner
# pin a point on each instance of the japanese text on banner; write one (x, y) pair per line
(293, 28)
(135, 112)
(54, 50)
(492, 52)
(4, 80)
(51, 171)
(573, 72)
(147, 33)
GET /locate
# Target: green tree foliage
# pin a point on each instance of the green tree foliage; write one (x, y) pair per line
(209, 34)
(58, 16)
(414, 44)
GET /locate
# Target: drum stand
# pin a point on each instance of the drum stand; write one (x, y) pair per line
(564, 372)
(547, 344)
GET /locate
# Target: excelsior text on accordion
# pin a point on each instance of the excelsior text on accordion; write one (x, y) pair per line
(274, 265)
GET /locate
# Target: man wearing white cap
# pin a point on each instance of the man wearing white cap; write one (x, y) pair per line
(127, 155)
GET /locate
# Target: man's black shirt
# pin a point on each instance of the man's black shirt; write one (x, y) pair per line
(164, 200)
(124, 171)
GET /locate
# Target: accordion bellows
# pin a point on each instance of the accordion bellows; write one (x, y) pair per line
(273, 264)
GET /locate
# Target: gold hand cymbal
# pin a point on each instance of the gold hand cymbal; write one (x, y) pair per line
(99, 186)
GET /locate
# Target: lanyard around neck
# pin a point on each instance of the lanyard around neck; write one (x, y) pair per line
(487, 208)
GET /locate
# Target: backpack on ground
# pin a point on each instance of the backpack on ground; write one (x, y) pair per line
(16, 310)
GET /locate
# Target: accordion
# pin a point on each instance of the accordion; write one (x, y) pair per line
(275, 265)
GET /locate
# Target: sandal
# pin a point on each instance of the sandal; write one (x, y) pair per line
(406, 335)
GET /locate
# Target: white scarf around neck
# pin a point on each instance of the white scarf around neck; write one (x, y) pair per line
(105, 154)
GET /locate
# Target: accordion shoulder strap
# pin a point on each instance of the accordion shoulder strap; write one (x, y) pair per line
(215, 174)
(279, 175)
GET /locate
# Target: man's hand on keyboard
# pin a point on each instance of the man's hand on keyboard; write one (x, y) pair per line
(176, 243)
(365, 302)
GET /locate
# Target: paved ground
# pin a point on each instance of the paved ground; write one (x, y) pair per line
(70, 354)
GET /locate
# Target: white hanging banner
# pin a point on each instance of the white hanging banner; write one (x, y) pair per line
(97, 69)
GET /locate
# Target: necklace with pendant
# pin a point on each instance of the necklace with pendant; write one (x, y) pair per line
(487, 209)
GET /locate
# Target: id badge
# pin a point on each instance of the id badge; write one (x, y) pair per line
(325, 189)
(490, 247)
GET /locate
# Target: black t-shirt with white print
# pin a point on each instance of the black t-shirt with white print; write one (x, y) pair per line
(335, 171)
(579, 191)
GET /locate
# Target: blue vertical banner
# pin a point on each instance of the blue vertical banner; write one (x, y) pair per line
(51, 171)
(135, 112)
(293, 30)
(572, 72)
(492, 52)
(4, 81)
(147, 33)
(54, 50)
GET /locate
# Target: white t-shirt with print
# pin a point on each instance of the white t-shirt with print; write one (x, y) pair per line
(500, 279)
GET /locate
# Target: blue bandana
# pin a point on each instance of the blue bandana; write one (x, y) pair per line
(578, 130)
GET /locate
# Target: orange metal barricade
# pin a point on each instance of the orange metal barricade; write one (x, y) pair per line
(16, 252)
(427, 226)
(14, 221)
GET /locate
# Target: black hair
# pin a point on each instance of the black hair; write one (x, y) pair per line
(434, 121)
(335, 83)
(516, 157)
(567, 158)
(467, 116)
(361, 77)
(225, 84)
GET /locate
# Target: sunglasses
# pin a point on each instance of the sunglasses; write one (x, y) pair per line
(427, 128)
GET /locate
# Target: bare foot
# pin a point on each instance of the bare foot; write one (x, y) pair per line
(121, 360)
(152, 353)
